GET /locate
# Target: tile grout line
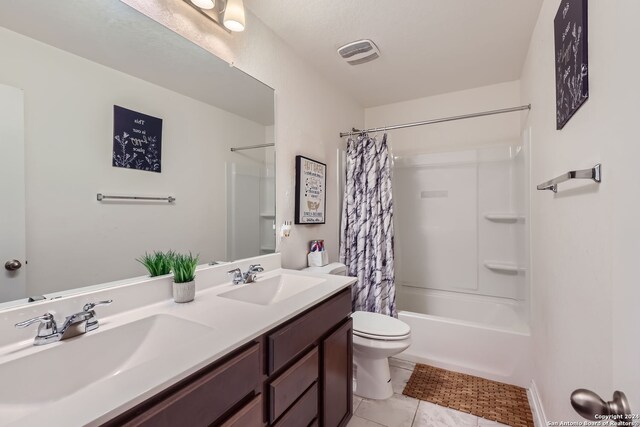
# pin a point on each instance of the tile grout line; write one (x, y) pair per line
(415, 414)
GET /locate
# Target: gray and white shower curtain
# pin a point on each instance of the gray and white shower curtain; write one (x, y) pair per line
(366, 240)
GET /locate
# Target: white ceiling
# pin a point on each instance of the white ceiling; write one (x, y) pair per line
(427, 47)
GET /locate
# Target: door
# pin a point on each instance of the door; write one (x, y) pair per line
(12, 204)
(337, 376)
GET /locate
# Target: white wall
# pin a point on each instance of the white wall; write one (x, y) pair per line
(72, 240)
(586, 239)
(471, 133)
(310, 112)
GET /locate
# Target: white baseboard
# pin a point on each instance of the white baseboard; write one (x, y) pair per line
(539, 418)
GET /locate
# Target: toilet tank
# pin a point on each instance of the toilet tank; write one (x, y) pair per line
(335, 268)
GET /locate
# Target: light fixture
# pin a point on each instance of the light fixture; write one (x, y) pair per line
(234, 15)
(204, 4)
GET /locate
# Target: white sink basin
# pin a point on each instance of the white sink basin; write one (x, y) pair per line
(71, 365)
(273, 289)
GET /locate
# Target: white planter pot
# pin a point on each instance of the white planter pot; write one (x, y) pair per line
(184, 292)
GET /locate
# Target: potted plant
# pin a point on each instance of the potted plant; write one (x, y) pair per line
(184, 276)
(158, 263)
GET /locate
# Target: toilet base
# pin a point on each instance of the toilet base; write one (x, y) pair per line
(373, 378)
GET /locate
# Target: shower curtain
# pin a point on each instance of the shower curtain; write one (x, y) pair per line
(366, 238)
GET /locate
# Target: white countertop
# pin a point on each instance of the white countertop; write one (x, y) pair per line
(234, 324)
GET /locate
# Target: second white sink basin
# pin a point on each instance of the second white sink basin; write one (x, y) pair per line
(69, 366)
(273, 289)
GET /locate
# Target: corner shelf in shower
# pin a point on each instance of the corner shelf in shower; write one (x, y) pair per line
(267, 215)
(504, 267)
(504, 217)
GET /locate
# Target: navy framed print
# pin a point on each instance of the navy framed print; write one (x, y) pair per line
(572, 59)
(137, 140)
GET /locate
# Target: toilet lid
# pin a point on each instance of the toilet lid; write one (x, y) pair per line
(379, 326)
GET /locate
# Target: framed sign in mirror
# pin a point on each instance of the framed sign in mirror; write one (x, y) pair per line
(311, 184)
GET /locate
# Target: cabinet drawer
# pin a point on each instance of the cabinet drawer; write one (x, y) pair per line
(249, 416)
(303, 412)
(207, 397)
(292, 339)
(290, 385)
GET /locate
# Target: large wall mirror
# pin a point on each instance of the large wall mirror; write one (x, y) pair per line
(65, 65)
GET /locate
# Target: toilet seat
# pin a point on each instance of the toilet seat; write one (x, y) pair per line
(377, 326)
(381, 337)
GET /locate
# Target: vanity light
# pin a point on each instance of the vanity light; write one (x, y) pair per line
(234, 15)
(204, 4)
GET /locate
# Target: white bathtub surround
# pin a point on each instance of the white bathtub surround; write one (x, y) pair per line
(472, 348)
(184, 292)
(462, 259)
(230, 324)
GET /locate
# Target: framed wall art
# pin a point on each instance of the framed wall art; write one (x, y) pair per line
(311, 183)
(572, 59)
(137, 140)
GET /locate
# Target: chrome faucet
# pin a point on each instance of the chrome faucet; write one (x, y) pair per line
(237, 277)
(76, 324)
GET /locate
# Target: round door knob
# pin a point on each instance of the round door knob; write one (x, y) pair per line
(12, 265)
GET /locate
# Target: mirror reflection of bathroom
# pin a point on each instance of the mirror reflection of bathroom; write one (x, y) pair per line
(50, 195)
(251, 216)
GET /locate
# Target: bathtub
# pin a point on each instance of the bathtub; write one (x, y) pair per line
(475, 334)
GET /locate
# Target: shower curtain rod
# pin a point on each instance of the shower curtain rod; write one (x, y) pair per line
(355, 131)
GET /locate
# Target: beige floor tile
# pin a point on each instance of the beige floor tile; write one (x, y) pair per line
(399, 378)
(430, 415)
(361, 422)
(397, 411)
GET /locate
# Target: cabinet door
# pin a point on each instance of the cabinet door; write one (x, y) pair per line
(249, 416)
(337, 376)
(201, 399)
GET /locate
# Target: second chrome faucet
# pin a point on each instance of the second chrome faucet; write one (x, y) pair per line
(238, 277)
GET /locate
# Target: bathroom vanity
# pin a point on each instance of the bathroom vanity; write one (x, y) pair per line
(297, 374)
(281, 358)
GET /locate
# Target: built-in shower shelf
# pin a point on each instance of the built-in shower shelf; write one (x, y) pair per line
(267, 215)
(504, 267)
(504, 217)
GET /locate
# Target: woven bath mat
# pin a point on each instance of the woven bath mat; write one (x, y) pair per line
(504, 403)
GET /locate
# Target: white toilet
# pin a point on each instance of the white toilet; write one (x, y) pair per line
(376, 337)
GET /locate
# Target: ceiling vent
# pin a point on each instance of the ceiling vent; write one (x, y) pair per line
(359, 52)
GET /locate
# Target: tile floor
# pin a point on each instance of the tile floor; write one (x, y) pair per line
(404, 411)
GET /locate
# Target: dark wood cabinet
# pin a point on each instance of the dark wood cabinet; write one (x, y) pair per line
(313, 346)
(302, 378)
(249, 415)
(289, 341)
(202, 398)
(291, 384)
(337, 376)
(303, 412)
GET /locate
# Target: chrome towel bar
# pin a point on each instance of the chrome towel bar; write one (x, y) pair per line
(100, 197)
(594, 173)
